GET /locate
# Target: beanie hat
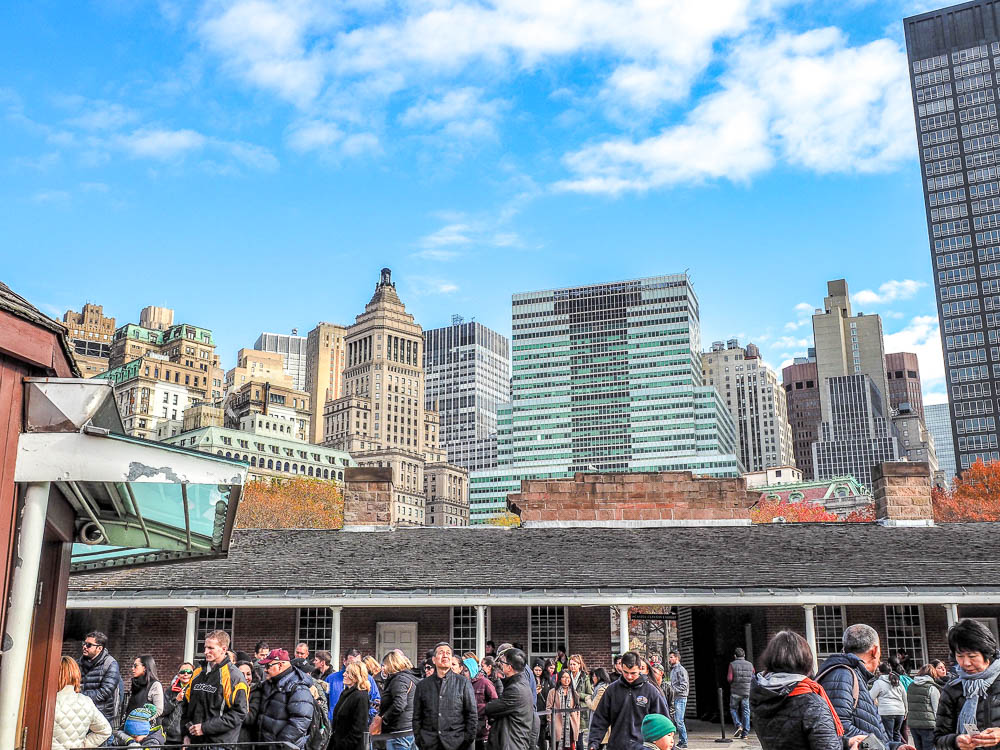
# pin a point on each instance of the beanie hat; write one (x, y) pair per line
(655, 726)
(473, 667)
(139, 721)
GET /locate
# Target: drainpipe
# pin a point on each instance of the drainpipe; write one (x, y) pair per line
(22, 606)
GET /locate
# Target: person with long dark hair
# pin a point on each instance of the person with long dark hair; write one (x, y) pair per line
(788, 708)
(542, 688)
(145, 686)
(565, 726)
(600, 679)
(549, 672)
(890, 696)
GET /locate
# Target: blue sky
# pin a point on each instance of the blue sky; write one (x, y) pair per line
(253, 163)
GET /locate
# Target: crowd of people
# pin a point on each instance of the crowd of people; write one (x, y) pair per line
(453, 701)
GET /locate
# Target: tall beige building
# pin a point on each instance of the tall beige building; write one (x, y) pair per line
(757, 402)
(380, 419)
(257, 366)
(848, 344)
(90, 334)
(325, 361)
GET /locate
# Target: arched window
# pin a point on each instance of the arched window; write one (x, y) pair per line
(253, 460)
(270, 463)
(340, 475)
(228, 454)
(220, 453)
(326, 473)
(286, 466)
(796, 496)
(310, 471)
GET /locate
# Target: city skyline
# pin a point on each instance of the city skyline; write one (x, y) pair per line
(154, 145)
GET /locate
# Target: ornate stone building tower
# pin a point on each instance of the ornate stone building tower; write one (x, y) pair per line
(380, 419)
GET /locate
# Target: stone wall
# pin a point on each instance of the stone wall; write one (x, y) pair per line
(660, 496)
(367, 496)
(902, 491)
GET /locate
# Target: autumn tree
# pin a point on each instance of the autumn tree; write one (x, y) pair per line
(974, 496)
(505, 519)
(298, 503)
(768, 511)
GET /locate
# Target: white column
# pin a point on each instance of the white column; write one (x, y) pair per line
(623, 639)
(480, 630)
(190, 633)
(21, 610)
(335, 637)
(811, 632)
(952, 610)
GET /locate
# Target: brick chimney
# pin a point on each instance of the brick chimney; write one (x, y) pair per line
(902, 492)
(367, 496)
(634, 499)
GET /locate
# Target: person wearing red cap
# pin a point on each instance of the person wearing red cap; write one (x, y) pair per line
(286, 703)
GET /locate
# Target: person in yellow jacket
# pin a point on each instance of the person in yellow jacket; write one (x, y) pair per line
(216, 700)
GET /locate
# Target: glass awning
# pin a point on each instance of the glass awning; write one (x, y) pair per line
(136, 501)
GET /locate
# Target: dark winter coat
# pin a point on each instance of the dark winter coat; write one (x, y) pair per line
(396, 708)
(513, 723)
(950, 706)
(622, 708)
(862, 718)
(101, 681)
(800, 721)
(206, 703)
(444, 713)
(248, 732)
(350, 720)
(741, 675)
(170, 720)
(286, 708)
(485, 692)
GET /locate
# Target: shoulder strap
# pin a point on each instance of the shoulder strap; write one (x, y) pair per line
(855, 686)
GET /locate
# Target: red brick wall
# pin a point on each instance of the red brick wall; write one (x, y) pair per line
(590, 635)
(674, 495)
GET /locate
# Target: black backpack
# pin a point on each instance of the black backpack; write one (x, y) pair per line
(320, 729)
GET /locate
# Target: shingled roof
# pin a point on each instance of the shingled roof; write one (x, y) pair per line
(769, 558)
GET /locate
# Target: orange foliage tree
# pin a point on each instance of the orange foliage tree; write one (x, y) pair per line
(974, 496)
(299, 503)
(505, 519)
(766, 511)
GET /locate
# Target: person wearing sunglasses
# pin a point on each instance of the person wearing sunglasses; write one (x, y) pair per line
(173, 704)
(101, 679)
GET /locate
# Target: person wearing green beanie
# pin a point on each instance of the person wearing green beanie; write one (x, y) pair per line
(658, 732)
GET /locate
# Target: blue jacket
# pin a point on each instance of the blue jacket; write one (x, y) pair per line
(336, 683)
(286, 708)
(863, 718)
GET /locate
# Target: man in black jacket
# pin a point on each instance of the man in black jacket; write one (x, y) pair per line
(216, 699)
(444, 707)
(514, 725)
(286, 703)
(100, 676)
(624, 705)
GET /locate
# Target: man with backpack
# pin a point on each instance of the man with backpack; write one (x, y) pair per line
(216, 700)
(845, 676)
(287, 704)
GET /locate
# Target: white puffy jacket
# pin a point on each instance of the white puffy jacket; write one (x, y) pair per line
(78, 722)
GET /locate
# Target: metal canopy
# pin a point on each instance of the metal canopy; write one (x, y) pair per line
(136, 501)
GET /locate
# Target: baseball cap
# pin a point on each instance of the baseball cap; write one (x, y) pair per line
(277, 654)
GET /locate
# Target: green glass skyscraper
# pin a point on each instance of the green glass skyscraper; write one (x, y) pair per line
(606, 378)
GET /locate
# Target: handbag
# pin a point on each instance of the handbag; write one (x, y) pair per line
(376, 726)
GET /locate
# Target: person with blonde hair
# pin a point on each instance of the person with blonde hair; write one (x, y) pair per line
(350, 715)
(396, 708)
(78, 722)
(375, 670)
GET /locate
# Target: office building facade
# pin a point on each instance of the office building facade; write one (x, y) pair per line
(856, 430)
(90, 334)
(324, 371)
(801, 383)
(939, 425)
(756, 400)
(953, 57)
(902, 370)
(607, 377)
(467, 367)
(292, 348)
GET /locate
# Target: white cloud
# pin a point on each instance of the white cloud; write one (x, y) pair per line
(450, 234)
(51, 196)
(164, 145)
(808, 99)
(424, 286)
(922, 337)
(890, 291)
(462, 113)
(100, 115)
(94, 187)
(789, 342)
(314, 135)
(804, 311)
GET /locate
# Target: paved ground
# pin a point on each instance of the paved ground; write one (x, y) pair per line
(702, 736)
